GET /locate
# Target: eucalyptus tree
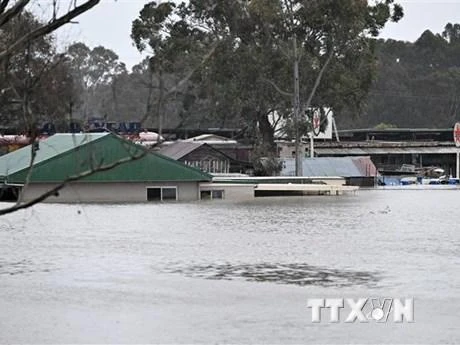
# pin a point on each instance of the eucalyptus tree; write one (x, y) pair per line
(249, 75)
(417, 83)
(95, 72)
(177, 50)
(35, 82)
(28, 55)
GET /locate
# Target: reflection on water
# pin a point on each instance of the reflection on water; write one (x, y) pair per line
(20, 267)
(296, 273)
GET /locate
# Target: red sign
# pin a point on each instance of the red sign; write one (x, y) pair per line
(316, 122)
(457, 134)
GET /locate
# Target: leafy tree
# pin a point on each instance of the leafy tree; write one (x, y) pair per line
(95, 73)
(417, 83)
(177, 49)
(250, 73)
(29, 62)
(452, 33)
(10, 9)
(35, 82)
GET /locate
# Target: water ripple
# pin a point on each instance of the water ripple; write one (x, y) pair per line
(294, 273)
(21, 267)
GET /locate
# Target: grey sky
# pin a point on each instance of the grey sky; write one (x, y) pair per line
(109, 24)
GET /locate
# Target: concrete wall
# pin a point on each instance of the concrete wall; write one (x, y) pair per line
(234, 192)
(110, 192)
(287, 149)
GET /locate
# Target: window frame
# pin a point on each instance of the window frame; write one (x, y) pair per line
(211, 194)
(161, 193)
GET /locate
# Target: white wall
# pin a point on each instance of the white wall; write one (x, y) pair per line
(234, 192)
(109, 192)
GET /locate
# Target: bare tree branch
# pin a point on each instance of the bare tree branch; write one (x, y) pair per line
(12, 12)
(282, 92)
(190, 74)
(73, 178)
(3, 5)
(49, 27)
(318, 78)
(187, 77)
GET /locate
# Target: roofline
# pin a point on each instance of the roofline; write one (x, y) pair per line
(104, 182)
(197, 144)
(149, 151)
(120, 138)
(178, 162)
(31, 167)
(386, 130)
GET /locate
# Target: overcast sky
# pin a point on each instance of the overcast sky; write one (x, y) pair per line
(109, 24)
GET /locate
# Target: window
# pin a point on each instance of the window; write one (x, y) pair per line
(153, 194)
(205, 195)
(161, 193)
(168, 193)
(211, 194)
(217, 194)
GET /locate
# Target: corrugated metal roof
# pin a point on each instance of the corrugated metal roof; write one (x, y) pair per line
(47, 149)
(395, 130)
(179, 149)
(365, 166)
(209, 136)
(365, 151)
(213, 139)
(69, 155)
(330, 166)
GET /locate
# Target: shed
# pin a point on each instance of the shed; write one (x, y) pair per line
(95, 159)
(356, 170)
(203, 156)
(199, 155)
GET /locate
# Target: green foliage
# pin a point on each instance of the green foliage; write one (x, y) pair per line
(148, 29)
(35, 83)
(250, 74)
(95, 73)
(417, 84)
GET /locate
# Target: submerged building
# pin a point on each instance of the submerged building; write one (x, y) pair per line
(392, 148)
(356, 171)
(203, 156)
(98, 167)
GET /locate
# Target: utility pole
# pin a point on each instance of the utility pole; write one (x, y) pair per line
(298, 153)
(312, 144)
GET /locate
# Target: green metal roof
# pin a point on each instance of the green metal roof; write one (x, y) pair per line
(49, 148)
(64, 155)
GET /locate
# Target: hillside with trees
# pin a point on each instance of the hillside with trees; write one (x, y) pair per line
(417, 84)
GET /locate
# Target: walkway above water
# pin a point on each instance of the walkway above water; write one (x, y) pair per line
(289, 185)
(280, 189)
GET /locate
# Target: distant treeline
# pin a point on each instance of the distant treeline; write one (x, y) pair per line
(417, 84)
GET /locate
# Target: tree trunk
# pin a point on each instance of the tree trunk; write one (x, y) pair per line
(160, 105)
(115, 111)
(265, 157)
(266, 135)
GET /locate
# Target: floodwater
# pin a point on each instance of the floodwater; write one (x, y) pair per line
(230, 272)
